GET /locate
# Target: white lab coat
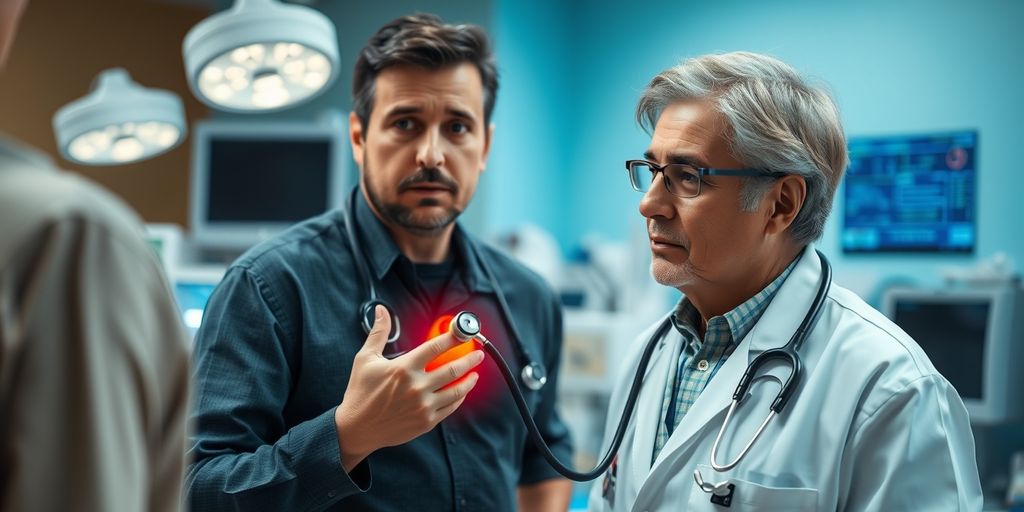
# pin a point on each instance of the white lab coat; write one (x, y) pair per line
(872, 425)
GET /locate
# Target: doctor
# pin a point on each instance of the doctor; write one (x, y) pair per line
(872, 425)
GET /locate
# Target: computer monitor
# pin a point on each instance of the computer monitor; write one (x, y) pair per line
(252, 179)
(911, 193)
(192, 289)
(975, 339)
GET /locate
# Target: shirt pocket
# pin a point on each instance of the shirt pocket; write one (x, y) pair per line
(750, 496)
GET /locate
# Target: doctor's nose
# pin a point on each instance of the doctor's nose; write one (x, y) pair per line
(657, 202)
(430, 153)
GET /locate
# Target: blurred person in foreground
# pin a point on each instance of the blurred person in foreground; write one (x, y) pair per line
(94, 362)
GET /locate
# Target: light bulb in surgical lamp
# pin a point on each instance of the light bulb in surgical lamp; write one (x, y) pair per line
(261, 56)
(119, 122)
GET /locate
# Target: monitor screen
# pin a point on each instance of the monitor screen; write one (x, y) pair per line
(254, 179)
(952, 334)
(267, 180)
(911, 194)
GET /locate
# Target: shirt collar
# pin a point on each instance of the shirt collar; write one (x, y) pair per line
(382, 252)
(736, 323)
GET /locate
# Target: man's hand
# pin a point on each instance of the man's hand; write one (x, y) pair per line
(390, 402)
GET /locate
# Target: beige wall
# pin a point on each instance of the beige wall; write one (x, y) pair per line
(60, 48)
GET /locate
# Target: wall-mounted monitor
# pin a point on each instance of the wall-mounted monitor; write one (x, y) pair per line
(975, 339)
(911, 193)
(252, 179)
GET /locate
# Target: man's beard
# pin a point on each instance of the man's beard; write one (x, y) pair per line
(406, 217)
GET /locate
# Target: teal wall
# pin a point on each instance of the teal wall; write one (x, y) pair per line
(572, 75)
(532, 160)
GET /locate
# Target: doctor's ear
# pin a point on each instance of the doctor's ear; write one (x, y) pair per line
(784, 200)
(357, 137)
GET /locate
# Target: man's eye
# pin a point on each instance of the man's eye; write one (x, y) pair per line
(405, 124)
(685, 175)
(459, 127)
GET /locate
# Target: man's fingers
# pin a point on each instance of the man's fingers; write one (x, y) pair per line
(429, 350)
(451, 398)
(454, 370)
(378, 337)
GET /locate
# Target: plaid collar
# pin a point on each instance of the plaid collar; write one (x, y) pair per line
(731, 327)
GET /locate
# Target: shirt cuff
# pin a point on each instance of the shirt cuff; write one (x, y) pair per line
(317, 455)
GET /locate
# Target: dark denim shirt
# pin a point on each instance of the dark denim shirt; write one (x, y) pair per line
(273, 358)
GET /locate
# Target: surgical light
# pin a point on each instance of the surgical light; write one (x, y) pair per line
(119, 122)
(261, 56)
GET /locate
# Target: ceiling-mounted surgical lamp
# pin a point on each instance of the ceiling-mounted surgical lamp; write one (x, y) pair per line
(261, 56)
(119, 122)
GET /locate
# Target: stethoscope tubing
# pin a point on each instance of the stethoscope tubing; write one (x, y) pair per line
(620, 430)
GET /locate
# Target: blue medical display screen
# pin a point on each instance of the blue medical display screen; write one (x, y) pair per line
(192, 298)
(911, 194)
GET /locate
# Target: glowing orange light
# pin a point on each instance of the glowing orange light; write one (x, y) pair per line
(439, 327)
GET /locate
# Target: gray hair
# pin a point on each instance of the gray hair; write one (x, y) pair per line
(777, 122)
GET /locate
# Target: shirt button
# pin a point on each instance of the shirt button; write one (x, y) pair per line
(451, 438)
(462, 502)
(703, 365)
(331, 494)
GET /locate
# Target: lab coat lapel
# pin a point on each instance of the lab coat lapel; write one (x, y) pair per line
(778, 323)
(711, 402)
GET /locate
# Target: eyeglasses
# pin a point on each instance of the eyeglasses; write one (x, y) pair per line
(682, 180)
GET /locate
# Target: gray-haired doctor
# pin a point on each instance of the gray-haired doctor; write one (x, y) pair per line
(738, 180)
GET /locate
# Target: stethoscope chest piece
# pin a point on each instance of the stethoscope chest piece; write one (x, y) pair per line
(368, 315)
(533, 376)
(466, 326)
(721, 493)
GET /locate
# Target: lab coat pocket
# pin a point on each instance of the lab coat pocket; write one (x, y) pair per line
(749, 496)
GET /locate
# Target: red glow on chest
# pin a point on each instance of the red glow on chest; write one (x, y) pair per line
(489, 377)
(439, 327)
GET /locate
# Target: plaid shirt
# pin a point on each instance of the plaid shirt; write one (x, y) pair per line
(700, 360)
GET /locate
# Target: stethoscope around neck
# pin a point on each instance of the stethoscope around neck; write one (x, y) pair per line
(788, 354)
(533, 375)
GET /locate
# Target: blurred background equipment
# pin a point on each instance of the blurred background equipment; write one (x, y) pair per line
(252, 179)
(119, 122)
(261, 56)
(975, 338)
(974, 335)
(192, 288)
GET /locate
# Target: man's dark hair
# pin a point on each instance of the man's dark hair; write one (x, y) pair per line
(422, 40)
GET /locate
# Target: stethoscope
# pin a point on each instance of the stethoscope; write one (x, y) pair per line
(533, 375)
(466, 326)
(788, 354)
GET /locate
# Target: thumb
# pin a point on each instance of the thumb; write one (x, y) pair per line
(378, 336)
